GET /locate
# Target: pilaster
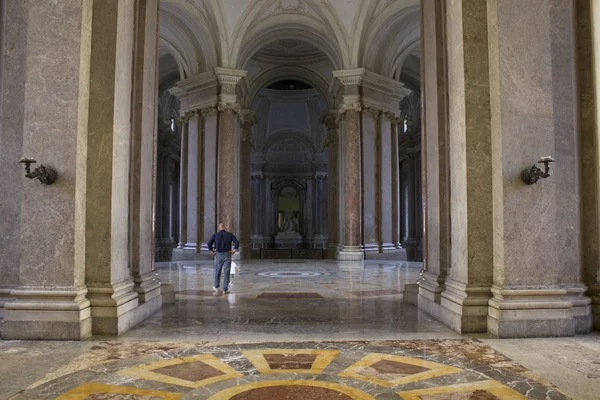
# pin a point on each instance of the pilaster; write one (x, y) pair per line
(248, 120)
(330, 120)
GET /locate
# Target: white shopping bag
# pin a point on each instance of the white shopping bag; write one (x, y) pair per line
(233, 267)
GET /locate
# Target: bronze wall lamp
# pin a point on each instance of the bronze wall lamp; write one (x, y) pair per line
(46, 175)
(531, 175)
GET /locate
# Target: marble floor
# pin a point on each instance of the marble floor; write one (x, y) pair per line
(302, 330)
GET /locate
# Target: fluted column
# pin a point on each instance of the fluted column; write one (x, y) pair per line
(350, 109)
(183, 184)
(330, 119)
(245, 231)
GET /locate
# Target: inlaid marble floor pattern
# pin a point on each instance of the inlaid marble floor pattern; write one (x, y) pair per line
(410, 370)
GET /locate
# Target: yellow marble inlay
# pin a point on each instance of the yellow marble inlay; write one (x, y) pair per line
(435, 369)
(324, 358)
(145, 371)
(351, 392)
(87, 389)
(493, 387)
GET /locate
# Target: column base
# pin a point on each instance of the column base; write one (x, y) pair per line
(388, 254)
(350, 253)
(465, 307)
(521, 313)
(180, 245)
(582, 308)
(594, 295)
(111, 307)
(411, 294)
(147, 286)
(371, 248)
(191, 246)
(5, 297)
(40, 314)
(245, 252)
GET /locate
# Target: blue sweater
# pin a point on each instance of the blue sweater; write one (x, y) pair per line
(222, 241)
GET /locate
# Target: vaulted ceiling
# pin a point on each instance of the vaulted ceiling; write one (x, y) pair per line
(317, 35)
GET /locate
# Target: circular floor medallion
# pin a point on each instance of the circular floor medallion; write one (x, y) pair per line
(289, 274)
(292, 390)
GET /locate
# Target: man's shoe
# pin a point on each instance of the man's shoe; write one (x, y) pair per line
(225, 291)
(215, 289)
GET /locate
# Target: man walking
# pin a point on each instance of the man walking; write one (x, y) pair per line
(222, 240)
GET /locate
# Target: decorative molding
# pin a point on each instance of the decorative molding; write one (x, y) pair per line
(350, 77)
(351, 106)
(235, 107)
(373, 111)
(299, 8)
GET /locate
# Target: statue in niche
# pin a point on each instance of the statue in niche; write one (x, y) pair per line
(289, 224)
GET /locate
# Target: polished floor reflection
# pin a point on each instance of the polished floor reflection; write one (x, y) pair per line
(298, 300)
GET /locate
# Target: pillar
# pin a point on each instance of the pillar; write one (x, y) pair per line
(395, 178)
(350, 109)
(50, 301)
(537, 287)
(194, 171)
(409, 210)
(209, 189)
(183, 183)
(109, 278)
(226, 151)
(144, 149)
(330, 119)
(436, 196)
(385, 183)
(370, 131)
(12, 91)
(588, 34)
(246, 197)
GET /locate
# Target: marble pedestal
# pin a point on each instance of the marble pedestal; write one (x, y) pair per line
(288, 240)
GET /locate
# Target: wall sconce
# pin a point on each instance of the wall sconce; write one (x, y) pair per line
(531, 175)
(46, 175)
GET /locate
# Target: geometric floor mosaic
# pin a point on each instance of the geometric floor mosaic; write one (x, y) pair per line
(453, 369)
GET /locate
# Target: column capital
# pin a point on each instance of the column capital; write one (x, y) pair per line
(228, 79)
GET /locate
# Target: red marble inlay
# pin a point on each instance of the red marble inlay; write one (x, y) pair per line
(119, 396)
(290, 295)
(395, 367)
(292, 392)
(193, 371)
(290, 361)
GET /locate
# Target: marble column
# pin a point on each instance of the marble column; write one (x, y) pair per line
(331, 122)
(470, 275)
(108, 276)
(12, 81)
(370, 130)
(588, 35)
(436, 173)
(385, 183)
(194, 172)
(226, 151)
(350, 109)
(352, 187)
(395, 186)
(183, 183)
(144, 149)
(245, 231)
(209, 188)
(51, 301)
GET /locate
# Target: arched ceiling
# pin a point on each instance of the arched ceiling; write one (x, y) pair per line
(377, 34)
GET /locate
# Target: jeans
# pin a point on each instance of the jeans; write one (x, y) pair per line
(222, 264)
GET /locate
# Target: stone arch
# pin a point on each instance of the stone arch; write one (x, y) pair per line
(269, 76)
(393, 35)
(183, 30)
